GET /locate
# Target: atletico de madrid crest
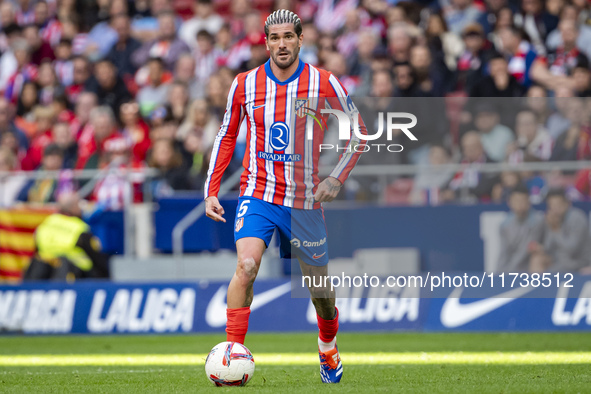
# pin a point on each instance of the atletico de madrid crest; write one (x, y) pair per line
(300, 107)
(239, 224)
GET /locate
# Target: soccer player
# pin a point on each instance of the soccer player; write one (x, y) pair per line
(280, 102)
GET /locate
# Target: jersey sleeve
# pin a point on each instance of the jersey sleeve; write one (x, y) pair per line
(225, 141)
(343, 102)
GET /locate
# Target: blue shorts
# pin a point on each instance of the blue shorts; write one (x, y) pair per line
(302, 232)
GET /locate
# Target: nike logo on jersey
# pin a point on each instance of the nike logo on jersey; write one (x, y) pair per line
(454, 314)
(257, 106)
(316, 257)
(215, 315)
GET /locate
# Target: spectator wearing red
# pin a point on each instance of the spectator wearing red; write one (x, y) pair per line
(26, 12)
(259, 54)
(575, 142)
(50, 29)
(331, 15)
(135, 130)
(40, 50)
(563, 59)
(91, 143)
(112, 191)
(25, 70)
(521, 54)
(471, 63)
(80, 77)
(7, 125)
(87, 101)
(44, 118)
(582, 184)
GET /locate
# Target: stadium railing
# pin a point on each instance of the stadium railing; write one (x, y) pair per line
(382, 172)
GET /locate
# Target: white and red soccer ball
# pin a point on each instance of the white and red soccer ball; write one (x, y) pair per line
(229, 364)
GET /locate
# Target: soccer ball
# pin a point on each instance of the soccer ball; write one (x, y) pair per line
(229, 364)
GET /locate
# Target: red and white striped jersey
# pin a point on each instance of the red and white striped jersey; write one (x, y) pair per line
(282, 142)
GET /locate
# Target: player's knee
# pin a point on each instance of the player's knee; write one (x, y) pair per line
(247, 269)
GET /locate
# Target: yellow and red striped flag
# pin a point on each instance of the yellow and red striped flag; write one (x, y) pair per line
(17, 244)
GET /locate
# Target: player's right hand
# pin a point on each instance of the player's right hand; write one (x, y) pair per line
(214, 210)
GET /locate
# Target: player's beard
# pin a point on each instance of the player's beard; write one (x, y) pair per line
(287, 63)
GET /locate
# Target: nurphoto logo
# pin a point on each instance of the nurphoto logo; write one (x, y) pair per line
(349, 120)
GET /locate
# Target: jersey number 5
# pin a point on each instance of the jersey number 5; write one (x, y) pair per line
(243, 208)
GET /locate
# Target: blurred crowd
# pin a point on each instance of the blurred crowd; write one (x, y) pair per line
(91, 84)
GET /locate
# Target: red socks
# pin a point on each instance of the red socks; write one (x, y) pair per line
(237, 324)
(328, 328)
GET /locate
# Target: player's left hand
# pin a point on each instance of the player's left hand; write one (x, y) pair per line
(328, 190)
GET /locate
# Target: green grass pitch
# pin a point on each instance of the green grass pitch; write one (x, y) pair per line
(386, 362)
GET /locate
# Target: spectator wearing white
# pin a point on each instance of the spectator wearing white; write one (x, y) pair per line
(7, 18)
(469, 184)
(331, 14)
(533, 141)
(206, 56)
(347, 41)
(204, 19)
(440, 38)
(558, 122)
(400, 41)
(184, 71)
(536, 22)
(10, 184)
(583, 41)
(8, 62)
(155, 93)
(555, 70)
(309, 49)
(428, 183)
(200, 121)
(495, 137)
(460, 14)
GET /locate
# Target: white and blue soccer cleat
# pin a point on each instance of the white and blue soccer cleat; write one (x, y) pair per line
(331, 368)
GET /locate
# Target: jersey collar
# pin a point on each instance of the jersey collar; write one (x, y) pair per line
(293, 77)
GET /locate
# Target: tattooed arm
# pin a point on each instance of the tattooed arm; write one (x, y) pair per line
(328, 190)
